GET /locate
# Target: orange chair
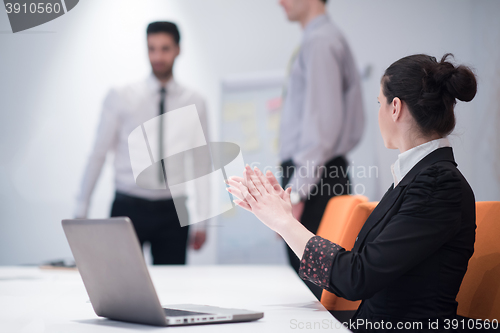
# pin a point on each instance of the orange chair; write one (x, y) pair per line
(337, 213)
(343, 219)
(479, 294)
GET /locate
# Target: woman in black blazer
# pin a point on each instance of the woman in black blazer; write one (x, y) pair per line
(411, 255)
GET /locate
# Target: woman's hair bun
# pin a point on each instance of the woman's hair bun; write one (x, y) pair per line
(459, 81)
(430, 89)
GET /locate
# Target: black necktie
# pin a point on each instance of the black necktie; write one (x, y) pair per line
(162, 175)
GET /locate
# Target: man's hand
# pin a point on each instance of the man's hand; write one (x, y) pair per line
(198, 239)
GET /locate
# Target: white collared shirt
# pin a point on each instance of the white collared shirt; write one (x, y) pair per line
(123, 110)
(407, 160)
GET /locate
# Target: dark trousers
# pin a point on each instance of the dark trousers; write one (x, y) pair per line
(333, 181)
(155, 222)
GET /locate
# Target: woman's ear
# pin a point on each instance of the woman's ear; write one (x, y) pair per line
(396, 107)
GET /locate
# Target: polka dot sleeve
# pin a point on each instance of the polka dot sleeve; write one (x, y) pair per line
(317, 261)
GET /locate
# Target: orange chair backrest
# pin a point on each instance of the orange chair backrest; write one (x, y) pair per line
(337, 213)
(342, 227)
(479, 294)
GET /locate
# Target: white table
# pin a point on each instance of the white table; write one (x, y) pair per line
(34, 300)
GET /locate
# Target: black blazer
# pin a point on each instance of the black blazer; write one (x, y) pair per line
(411, 255)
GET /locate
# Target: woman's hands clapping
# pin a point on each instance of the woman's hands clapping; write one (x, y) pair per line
(262, 195)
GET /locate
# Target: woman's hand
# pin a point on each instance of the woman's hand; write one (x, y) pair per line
(265, 198)
(270, 177)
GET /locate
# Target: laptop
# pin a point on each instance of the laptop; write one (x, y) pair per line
(110, 261)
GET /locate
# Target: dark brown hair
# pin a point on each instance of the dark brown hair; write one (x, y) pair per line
(430, 89)
(165, 27)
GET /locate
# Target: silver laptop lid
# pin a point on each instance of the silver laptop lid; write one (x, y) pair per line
(110, 261)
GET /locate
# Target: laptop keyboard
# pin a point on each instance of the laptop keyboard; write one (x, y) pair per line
(178, 313)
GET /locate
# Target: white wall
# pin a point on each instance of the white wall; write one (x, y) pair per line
(383, 31)
(53, 79)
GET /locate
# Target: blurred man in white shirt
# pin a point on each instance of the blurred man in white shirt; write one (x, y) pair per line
(152, 211)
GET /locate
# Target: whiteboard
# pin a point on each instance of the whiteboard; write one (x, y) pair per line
(249, 117)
